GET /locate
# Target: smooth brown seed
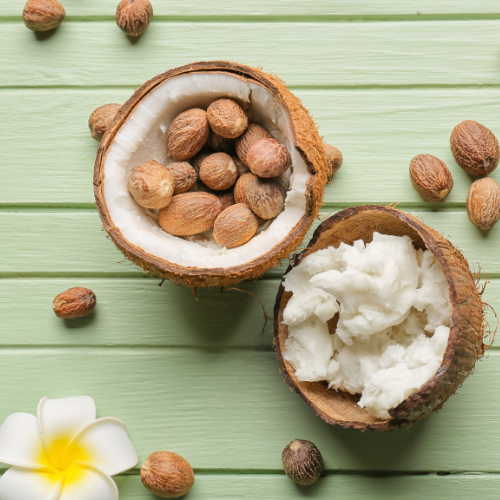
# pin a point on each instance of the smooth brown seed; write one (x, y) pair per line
(235, 226)
(252, 134)
(101, 119)
(43, 15)
(218, 171)
(184, 176)
(151, 185)
(188, 133)
(268, 158)
(430, 177)
(226, 118)
(74, 303)
(475, 148)
(483, 203)
(134, 16)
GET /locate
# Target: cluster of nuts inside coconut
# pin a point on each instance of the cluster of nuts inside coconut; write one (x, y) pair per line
(211, 174)
(227, 177)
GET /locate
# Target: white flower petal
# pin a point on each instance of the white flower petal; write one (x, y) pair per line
(21, 443)
(104, 444)
(89, 484)
(24, 484)
(61, 420)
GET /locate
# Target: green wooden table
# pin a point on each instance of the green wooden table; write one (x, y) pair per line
(385, 81)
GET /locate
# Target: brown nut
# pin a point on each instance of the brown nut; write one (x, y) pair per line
(197, 160)
(474, 147)
(225, 197)
(483, 203)
(240, 189)
(334, 157)
(151, 185)
(74, 303)
(190, 213)
(430, 177)
(302, 462)
(43, 15)
(266, 197)
(268, 158)
(134, 16)
(167, 474)
(252, 134)
(101, 119)
(184, 176)
(188, 133)
(235, 226)
(226, 118)
(220, 144)
(242, 168)
(218, 171)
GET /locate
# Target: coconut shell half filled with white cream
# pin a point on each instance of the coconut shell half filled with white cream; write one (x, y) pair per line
(139, 134)
(464, 344)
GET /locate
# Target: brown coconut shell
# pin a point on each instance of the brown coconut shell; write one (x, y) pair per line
(305, 138)
(465, 344)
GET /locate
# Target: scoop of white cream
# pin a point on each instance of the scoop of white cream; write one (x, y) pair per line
(394, 317)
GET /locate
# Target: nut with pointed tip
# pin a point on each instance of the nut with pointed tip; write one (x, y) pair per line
(334, 157)
(475, 148)
(188, 133)
(151, 185)
(74, 303)
(266, 197)
(101, 118)
(218, 171)
(483, 203)
(430, 177)
(184, 176)
(226, 118)
(43, 15)
(134, 16)
(167, 474)
(302, 462)
(220, 144)
(268, 158)
(235, 226)
(252, 134)
(190, 213)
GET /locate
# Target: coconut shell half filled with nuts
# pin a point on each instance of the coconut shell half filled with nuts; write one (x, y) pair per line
(465, 341)
(142, 132)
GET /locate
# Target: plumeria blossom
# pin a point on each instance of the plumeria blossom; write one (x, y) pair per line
(64, 453)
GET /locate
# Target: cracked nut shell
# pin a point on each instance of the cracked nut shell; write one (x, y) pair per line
(474, 147)
(74, 303)
(218, 171)
(101, 118)
(268, 158)
(483, 203)
(151, 185)
(167, 474)
(226, 118)
(302, 462)
(235, 226)
(252, 134)
(188, 133)
(43, 15)
(430, 177)
(134, 16)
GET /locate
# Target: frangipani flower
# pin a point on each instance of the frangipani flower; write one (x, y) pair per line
(64, 453)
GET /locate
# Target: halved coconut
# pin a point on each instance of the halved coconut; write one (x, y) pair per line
(138, 134)
(465, 344)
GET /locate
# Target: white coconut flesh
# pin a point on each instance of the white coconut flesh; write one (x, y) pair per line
(143, 137)
(394, 316)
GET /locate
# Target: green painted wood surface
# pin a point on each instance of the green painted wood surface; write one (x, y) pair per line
(385, 81)
(391, 53)
(230, 408)
(378, 131)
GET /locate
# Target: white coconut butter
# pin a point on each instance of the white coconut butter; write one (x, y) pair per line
(393, 325)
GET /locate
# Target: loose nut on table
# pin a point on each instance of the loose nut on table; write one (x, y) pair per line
(134, 16)
(74, 303)
(302, 462)
(43, 15)
(430, 177)
(483, 203)
(101, 119)
(334, 158)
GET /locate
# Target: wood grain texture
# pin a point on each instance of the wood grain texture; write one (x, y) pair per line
(194, 8)
(137, 312)
(227, 408)
(46, 137)
(71, 243)
(391, 53)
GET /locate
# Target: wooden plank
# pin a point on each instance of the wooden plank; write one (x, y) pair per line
(302, 53)
(71, 243)
(137, 312)
(224, 8)
(354, 487)
(378, 131)
(222, 408)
